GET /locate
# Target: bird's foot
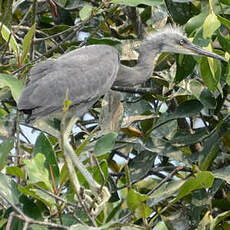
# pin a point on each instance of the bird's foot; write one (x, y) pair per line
(97, 203)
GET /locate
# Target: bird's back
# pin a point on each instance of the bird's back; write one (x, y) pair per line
(87, 73)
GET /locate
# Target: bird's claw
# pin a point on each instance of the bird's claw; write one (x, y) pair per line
(95, 204)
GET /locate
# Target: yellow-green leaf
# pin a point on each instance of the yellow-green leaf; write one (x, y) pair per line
(27, 42)
(137, 203)
(224, 21)
(36, 170)
(134, 199)
(204, 179)
(228, 74)
(7, 35)
(15, 171)
(211, 24)
(206, 74)
(14, 84)
(138, 2)
(85, 12)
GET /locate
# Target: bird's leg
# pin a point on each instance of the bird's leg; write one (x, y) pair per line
(96, 189)
(68, 148)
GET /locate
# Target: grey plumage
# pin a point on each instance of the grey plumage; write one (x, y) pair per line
(89, 72)
(49, 80)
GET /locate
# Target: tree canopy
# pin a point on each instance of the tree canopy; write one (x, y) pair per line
(162, 149)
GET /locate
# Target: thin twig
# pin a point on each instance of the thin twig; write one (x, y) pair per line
(55, 196)
(74, 215)
(169, 177)
(100, 171)
(154, 171)
(133, 90)
(4, 197)
(43, 223)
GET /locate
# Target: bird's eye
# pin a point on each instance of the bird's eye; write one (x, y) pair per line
(181, 42)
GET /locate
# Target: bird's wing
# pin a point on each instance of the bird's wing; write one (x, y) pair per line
(41, 70)
(87, 73)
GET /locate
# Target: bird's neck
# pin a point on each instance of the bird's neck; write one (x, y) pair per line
(130, 76)
(146, 62)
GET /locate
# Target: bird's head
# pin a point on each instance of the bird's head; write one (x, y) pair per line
(173, 40)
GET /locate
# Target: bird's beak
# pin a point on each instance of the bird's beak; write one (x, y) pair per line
(197, 50)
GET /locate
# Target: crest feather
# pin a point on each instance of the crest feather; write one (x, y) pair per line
(166, 29)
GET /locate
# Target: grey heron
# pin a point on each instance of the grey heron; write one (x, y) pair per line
(88, 73)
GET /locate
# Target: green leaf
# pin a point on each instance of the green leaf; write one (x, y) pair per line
(209, 152)
(202, 94)
(144, 161)
(105, 144)
(114, 211)
(190, 185)
(64, 176)
(184, 138)
(196, 21)
(166, 130)
(224, 21)
(30, 208)
(69, 220)
(184, 67)
(211, 24)
(14, 84)
(27, 42)
(219, 218)
(204, 179)
(224, 42)
(188, 109)
(160, 226)
(165, 148)
(228, 74)
(226, 2)
(36, 170)
(43, 146)
(3, 221)
(55, 29)
(185, 109)
(15, 171)
(37, 194)
(138, 2)
(207, 99)
(83, 145)
(215, 67)
(85, 12)
(103, 41)
(200, 40)
(9, 188)
(206, 74)
(137, 203)
(180, 10)
(5, 148)
(6, 34)
(104, 169)
(195, 87)
(135, 199)
(164, 192)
